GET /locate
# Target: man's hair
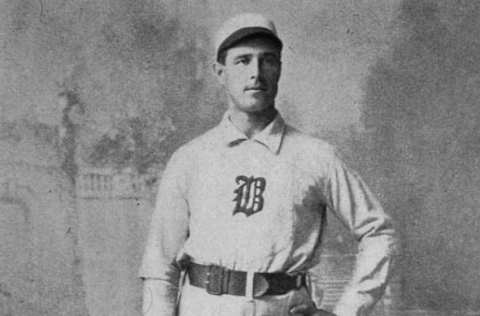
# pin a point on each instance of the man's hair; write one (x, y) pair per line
(222, 55)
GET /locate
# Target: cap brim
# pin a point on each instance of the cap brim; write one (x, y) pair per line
(238, 35)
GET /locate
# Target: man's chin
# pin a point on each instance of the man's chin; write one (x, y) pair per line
(255, 108)
(253, 105)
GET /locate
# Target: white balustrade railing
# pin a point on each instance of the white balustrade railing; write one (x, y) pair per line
(108, 183)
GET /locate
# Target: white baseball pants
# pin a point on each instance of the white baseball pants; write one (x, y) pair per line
(197, 302)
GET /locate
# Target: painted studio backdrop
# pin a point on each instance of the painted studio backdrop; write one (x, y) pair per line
(95, 96)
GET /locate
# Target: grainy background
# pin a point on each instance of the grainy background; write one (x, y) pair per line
(116, 86)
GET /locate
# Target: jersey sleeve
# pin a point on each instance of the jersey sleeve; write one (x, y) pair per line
(355, 205)
(167, 235)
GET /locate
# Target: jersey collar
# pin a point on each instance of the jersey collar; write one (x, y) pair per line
(271, 136)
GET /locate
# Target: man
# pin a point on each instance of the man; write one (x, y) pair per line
(241, 209)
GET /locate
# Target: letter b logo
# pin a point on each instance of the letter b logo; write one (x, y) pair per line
(249, 195)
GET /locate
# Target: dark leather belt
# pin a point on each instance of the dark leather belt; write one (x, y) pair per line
(218, 280)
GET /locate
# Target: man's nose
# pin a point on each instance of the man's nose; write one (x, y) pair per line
(256, 69)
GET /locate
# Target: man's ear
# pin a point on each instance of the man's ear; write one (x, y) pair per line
(219, 71)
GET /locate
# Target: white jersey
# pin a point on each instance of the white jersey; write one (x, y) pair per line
(259, 205)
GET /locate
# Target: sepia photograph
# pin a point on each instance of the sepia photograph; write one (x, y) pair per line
(239, 158)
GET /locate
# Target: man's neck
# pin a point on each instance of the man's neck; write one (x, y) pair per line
(251, 123)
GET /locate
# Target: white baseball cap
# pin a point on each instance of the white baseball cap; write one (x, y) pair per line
(241, 26)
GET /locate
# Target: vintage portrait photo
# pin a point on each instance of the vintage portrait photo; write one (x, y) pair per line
(239, 158)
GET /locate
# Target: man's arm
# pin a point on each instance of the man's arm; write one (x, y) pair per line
(160, 268)
(159, 297)
(351, 200)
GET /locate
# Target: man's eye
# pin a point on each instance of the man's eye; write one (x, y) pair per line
(271, 60)
(243, 61)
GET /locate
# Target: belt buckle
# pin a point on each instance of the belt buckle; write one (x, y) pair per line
(215, 280)
(261, 285)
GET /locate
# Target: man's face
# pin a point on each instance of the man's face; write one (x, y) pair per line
(250, 74)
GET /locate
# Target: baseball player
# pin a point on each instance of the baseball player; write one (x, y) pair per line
(241, 209)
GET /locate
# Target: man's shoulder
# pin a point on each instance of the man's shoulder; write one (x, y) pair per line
(307, 152)
(307, 143)
(202, 143)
